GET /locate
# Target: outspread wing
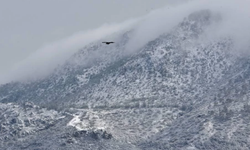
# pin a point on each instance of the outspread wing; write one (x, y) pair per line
(108, 42)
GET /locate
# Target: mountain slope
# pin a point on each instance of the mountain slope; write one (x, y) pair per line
(181, 90)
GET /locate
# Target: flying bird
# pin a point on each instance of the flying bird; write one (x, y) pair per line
(108, 42)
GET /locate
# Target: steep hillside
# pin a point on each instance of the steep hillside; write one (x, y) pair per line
(181, 90)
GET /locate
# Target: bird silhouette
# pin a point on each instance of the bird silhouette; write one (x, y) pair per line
(108, 42)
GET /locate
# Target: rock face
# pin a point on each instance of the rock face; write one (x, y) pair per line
(177, 92)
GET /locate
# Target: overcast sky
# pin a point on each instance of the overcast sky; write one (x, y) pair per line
(36, 36)
(27, 25)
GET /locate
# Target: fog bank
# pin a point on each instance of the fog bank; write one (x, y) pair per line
(234, 23)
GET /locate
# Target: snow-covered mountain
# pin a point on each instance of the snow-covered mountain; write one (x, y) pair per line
(182, 90)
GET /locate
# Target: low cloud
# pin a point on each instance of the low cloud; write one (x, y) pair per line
(234, 23)
(42, 62)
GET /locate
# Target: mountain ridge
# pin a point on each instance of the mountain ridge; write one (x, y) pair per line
(173, 93)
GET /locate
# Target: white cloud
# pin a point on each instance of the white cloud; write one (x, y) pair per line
(46, 59)
(235, 23)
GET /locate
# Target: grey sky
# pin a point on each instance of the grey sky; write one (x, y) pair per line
(27, 25)
(51, 31)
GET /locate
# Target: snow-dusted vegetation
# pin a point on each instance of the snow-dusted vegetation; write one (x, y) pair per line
(186, 87)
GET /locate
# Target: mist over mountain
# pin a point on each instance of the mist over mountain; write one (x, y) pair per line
(177, 78)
